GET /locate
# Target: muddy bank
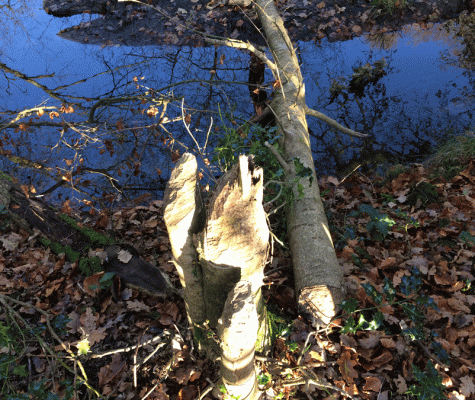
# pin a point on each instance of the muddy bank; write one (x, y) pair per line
(181, 22)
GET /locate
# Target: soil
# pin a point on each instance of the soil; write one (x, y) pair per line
(181, 22)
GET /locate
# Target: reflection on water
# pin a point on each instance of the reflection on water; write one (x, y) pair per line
(123, 147)
(406, 112)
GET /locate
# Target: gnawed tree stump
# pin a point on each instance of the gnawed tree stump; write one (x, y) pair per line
(237, 330)
(184, 215)
(231, 247)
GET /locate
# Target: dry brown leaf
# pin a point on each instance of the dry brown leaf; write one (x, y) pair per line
(373, 384)
(348, 341)
(388, 343)
(371, 340)
(347, 367)
(137, 306)
(111, 372)
(401, 385)
(184, 375)
(467, 386)
(91, 284)
(89, 327)
(75, 322)
(458, 305)
(124, 256)
(187, 393)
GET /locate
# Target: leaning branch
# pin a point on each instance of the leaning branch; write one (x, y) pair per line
(333, 123)
(239, 44)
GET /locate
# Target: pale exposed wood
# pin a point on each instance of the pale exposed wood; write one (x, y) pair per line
(230, 247)
(234, 244)
(237, 330)
(184, 215)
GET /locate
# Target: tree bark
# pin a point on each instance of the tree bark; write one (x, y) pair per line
(231, 247)
(318, 276)
(237, 331)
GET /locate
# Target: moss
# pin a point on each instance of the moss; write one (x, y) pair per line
(278, 325)
(422, 192)
(453, 156)
(3, 175)
(92, 235)
(90, 266)
(57, 248)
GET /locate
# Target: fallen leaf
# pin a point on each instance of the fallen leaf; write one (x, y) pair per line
(347, 367)
(124, 256)
(135, 305)
(401, 384)
(467, 386)
(91, 284)
(111, 372)
(373, 384)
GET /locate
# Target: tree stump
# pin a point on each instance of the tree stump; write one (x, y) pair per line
(232, 246)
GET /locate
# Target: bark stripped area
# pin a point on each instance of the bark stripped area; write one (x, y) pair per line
(237, 331)
(231, 248)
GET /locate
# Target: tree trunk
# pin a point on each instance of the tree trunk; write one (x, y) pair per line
(231, 247)
(63, 234)
(237, 330)
(318, 276)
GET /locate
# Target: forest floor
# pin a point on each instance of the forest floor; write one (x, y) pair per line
(180, 22)
(408, 326)
(408, 252)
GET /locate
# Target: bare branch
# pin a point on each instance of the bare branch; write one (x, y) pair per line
(333, 123)
(239, 44)
(279, 158)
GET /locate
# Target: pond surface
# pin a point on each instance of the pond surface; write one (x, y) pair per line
(125, 151)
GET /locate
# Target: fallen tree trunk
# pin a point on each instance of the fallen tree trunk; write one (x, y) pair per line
(63, 234)
(318, 276)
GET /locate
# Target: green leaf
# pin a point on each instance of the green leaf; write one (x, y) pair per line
(350, 326)
(5, 338)
(411, 284)
(59, 323)
(388, 290)
(20, 370)
(222, 389)
(415, 333)
(292, 346)
(440, 352)
(107, 277)
(430, 384)
(264, 379)
(370, 210)
(377, 321)
(349, 305)
(373, 293)
(21, 396)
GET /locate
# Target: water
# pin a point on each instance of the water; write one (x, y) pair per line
(415, 104)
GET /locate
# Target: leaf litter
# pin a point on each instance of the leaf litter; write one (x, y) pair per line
(131, 344)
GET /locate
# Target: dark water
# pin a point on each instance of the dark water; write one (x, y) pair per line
(419, 100)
